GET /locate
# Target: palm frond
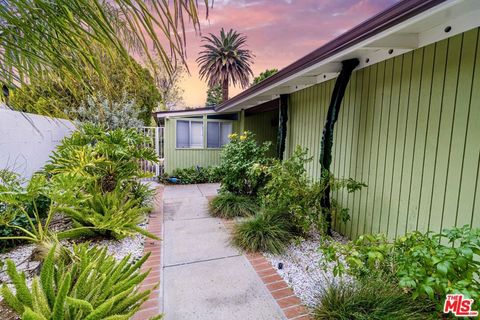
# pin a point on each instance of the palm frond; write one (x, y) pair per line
(36, 34)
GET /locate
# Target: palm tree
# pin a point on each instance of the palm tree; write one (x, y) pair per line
(225, 60)
(40, 36)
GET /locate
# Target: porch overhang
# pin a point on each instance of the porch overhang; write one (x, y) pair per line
(405, 26)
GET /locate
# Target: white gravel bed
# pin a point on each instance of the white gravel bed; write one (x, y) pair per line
(117, 248)
(301, 269)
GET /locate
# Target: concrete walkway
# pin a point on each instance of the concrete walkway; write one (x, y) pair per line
(203, 276)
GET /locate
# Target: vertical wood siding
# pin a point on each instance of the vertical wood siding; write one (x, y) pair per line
(409, 127)
(265, 127)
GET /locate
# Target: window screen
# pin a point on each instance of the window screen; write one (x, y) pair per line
(189, 134)
(213, 135)
(183, 134)
(217, 133)
(196, 134)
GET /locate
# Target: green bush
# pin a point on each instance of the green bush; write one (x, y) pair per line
(93, 286)
(289, 189)
(113, 214)
(228, 205)
(418, 262)
(374, 299)
(108, 157)
(10, 182)
(267, 231)
(195, 175)
(63, 191)
(242, 164)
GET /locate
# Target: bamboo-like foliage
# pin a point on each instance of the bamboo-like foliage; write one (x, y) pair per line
(93, 286)
(225, 60)
(37, 36)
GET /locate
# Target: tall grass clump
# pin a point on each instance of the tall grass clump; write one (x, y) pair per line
(375, 299)
(229, 205)
(268, 231)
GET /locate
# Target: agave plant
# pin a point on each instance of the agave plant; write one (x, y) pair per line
(225, 60)
(93, 286)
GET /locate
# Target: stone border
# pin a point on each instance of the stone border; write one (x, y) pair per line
(286, 299)
(152, 307)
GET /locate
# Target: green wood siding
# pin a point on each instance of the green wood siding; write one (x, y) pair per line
(410, 128)
(265, 127)
(184, 158)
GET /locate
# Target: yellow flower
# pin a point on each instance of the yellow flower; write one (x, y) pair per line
(242, 138)
(245, 133)
(232, 136)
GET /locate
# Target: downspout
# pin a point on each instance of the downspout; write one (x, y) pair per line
(282, 125)
(327, 140)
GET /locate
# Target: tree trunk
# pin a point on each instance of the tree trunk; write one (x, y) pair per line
(225, 90)
(327, 139)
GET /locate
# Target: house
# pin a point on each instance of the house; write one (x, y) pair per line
(408, 126)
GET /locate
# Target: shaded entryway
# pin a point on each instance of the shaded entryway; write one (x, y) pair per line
(203, 276)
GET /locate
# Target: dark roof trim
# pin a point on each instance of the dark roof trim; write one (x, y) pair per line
(371, 27)
(264, 107)
(185, 110)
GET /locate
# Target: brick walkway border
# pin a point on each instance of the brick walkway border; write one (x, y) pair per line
(152, 306)
(286, 299)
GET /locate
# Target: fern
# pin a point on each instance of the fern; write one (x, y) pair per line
(93, 286)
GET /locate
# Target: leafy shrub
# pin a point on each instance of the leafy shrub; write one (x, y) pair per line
(112, 115)
(370, 300)
(109, 157)
(242, 162)
(141, 192)
(113, 214)
(290, 190)
(63, 192)
(195, 175)
(418, 262)
(267, 231)
(93, 286)
(229, 205)
(11, 182)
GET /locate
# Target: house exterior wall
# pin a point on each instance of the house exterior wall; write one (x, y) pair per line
(265, 127)
(409, 127)
(176, 158)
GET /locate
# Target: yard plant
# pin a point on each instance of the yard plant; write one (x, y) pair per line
(229, 205)
(371, 299)
(93, 285)
(242, 164)
(428, 265)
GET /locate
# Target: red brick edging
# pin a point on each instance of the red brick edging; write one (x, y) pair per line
(152, 306)
(290, 304)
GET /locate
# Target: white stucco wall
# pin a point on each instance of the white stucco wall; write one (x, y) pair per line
(23, 149)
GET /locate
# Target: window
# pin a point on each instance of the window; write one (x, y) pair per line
(189, 134)
(217, 133)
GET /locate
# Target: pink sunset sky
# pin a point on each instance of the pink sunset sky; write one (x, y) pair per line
(278, 31)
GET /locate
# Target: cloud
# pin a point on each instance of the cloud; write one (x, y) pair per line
(278, 31)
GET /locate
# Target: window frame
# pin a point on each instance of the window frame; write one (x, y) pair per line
(189, 134)
(205, 122)
(220, 123)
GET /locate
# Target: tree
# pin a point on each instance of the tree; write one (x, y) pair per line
(168, 85)
(214, 96)
(36, 34)
(264, 75)
(224, 60)
(124, 80)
